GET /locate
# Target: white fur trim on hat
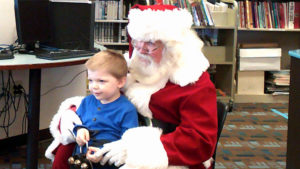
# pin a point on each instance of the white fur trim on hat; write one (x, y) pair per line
(152, 25)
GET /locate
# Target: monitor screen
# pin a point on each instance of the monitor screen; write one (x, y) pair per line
(72, 25)
(32, 21)
(62, 25)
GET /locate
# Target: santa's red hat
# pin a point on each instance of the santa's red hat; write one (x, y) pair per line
(158, 22)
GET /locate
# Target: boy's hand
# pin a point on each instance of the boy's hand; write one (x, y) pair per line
(83, 136)
(92, 154)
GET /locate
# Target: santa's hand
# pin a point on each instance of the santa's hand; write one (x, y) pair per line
(83, 136)
(113, 153)
(93, 155)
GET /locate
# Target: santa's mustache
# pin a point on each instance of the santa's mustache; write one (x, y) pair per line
(145, 58)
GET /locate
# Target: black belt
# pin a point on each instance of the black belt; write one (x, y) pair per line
(165, 126)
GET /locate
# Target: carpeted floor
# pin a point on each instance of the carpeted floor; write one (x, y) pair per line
(253, 137)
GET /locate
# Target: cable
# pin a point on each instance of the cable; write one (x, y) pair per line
(64, 84)
(11, 102)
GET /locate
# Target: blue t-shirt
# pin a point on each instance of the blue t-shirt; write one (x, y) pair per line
(106, 121)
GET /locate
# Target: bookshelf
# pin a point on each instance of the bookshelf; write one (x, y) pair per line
(110, 23)
(222, 56)
(111, 33)
(286, 37)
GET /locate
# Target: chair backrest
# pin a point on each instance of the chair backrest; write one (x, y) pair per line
(222, 109)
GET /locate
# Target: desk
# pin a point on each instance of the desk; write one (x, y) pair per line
(24, 61)
(293, 139)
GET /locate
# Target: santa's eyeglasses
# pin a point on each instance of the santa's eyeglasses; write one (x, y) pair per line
(146, 47)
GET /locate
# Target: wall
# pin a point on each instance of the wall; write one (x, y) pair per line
(7, 22)
(51, 77)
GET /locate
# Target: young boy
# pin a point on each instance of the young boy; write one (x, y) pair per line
(105, 114)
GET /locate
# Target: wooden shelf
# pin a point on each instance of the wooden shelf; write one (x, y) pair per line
(269, 30)
(287, 39)
(111, 21)
(265, 98)
(113, 43)
(213, 27)
(217, 55)
(224, 99)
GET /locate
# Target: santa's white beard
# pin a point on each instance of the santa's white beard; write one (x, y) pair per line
(143, 68)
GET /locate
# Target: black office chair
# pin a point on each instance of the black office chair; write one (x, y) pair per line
(222, 109)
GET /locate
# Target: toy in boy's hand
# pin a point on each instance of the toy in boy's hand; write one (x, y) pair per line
(79, 161)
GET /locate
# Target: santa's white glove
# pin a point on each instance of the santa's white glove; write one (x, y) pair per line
(113, 153)
(208, 162)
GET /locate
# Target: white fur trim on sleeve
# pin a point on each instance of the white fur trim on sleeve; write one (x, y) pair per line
(144, 149)
(48, 153)
(67, 119)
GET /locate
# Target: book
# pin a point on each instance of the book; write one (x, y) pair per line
(272, 13)
(72, 1)
(255, 12)
(247, 14)
(275, 15)
(207, 13)
(277, 82)
(267, 15)
(199, 13)
(121, 10)
(263, 16)
(260, 15)
(227, 1)
(285, 9)
(291, 14)
(242, 14)
(281, 15)
(297, 15)
(251, 21)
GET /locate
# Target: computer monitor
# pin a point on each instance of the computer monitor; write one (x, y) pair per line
(32, 22)
(62, 25)
(72, 25)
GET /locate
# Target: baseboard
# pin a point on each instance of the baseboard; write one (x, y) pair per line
(20, 140)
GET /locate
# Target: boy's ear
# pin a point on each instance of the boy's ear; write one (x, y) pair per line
(122, 82)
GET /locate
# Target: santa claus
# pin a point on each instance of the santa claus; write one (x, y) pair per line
(169, 85)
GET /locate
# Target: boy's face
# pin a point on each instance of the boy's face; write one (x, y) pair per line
(104, 86)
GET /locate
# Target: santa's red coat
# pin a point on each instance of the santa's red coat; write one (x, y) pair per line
(193, 109)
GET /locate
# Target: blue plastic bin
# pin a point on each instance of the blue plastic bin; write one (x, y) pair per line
(295, 53)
